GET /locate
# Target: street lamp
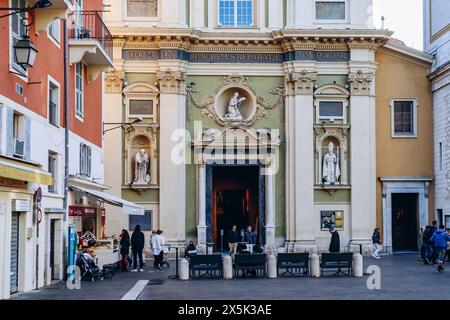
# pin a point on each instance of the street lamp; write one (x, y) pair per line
(120, 124)
(25, 52)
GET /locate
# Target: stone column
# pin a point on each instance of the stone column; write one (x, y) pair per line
(363, 157)
(270, 204)
(201, 203)
(114, 156)
(172, 152)
(302, 155)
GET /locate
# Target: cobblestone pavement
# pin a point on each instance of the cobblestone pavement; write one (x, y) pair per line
(402, 277)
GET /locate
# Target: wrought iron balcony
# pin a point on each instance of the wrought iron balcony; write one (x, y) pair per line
(90, 41)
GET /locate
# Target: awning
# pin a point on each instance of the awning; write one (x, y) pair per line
(16, 170)
(127, 207)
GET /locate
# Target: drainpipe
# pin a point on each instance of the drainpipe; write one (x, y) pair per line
(66, 144)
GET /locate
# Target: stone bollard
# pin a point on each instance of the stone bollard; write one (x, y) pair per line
(272, 267)
(315, 266)
(227, 267)
(183, 271)
(357, 265)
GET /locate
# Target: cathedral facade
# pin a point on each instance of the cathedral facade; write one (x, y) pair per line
(289, 116)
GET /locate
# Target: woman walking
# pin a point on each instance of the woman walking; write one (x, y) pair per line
(137, 245)
(124, 248)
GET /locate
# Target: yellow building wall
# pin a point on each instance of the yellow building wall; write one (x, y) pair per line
(401, 76)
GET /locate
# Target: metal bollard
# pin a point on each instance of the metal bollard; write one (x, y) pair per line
(184, 269)
(227, 267)
(357, 265)
(315, 266)
(272, 267)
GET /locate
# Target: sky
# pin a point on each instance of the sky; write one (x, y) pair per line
(402, 16)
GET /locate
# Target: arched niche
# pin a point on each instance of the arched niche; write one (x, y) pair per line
(338, 136)
(141, 101)
(331, 104)
(247, 107)
(135, 143)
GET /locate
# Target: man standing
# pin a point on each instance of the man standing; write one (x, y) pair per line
(158, 243)
(137, 244)
(250, 238)
(335, 245)
(439, 241)
(376, 243)
(233, 239)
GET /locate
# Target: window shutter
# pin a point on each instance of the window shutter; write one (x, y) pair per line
(81, 158)
(9, 132)
(89, 162)
(27, 127)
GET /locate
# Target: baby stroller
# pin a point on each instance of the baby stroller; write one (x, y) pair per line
(89, 270)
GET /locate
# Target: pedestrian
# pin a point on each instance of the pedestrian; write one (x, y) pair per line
(434, 252)
(376, 240)
(420, 244)
(190, 249)
(124, 249)
(335, 245)
(439, 241)
(427, 245)
(250, 238)
(233, 239)
(137, 244)
(158, 243)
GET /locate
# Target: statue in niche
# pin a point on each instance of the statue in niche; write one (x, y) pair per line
(330, 169)
(141, 168)
(233, 108)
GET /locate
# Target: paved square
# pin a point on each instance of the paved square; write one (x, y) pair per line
(403, 277)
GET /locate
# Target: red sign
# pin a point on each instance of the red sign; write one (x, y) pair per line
(39, 215)
(103, 222)
(77, 211)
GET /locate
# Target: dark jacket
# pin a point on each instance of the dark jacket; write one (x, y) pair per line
(137, 240)
(335, 245)
(426, 237)
(233, 236)
(125, 244)
(439, 239)
(249, 237)
(376, 237)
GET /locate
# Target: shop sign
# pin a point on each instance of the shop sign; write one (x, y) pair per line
(76, 211)
(20, 205)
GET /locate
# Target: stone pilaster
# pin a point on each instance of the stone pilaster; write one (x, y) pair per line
(114, 81)
(300, 160)
(362, 156)
(173, 146)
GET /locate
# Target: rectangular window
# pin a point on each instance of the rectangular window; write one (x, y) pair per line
(79, 88)
(141, 107)
(144, 221)
(53, 103)
(18, 135)
(404, 118)
(17, 31)
(236, 13)
(331, 109)
(54, 30)
(52, 170)
(142, 8)
(85, 160)
(326, 10)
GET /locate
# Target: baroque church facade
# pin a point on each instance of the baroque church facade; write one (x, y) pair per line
(290, 116)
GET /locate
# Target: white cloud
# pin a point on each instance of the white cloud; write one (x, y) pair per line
(404, 17)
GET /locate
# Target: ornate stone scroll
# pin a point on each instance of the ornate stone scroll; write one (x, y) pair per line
(360, 82)
(114, 81)
(171, 81)
(303, 81)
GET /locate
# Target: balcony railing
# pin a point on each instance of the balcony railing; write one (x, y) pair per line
(89, 25)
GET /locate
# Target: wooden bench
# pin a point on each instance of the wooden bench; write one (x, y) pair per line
(207, 265)
(293, 263)
(337, 261)
(250, 263)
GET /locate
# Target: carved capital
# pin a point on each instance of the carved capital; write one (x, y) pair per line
(171, 81)
(114, 81)
(360, 82)
(303, 82)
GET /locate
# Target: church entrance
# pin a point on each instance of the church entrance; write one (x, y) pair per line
(404, 222)
(235, 199)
